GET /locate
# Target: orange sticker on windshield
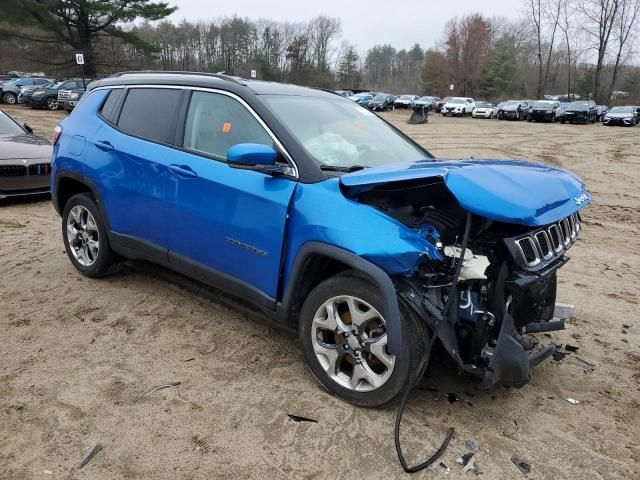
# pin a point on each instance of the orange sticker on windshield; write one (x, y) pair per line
(226, 128)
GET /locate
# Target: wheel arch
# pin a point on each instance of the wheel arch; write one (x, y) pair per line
(68, 183)
(317, 261)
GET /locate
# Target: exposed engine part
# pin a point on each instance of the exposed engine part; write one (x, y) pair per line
(473, 266)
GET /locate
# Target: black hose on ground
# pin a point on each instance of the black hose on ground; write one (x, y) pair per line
(424, 362)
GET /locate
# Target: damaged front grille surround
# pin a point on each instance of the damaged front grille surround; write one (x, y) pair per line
(540, 247)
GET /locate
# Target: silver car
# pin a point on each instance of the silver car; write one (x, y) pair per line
(25, 160)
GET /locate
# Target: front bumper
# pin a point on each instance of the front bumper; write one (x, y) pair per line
(509, 114)
(626, 122)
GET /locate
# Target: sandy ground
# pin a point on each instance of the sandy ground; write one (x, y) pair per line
(80, 358)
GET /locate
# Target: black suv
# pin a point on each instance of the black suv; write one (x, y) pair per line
(584, 111)
(47, 96)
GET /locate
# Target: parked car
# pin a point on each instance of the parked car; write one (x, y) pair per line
(380, 103)
(483, 110)
(427, 101)
(405, 101)
(10, 90)
(344, 93)
(440, 103)
(543, 111)
(327, 218)
(361, 97)
(458, 106)
(583, 111)
(627, 116)
(25, 160)
(68, 99)
(47, 96)
(513, 110)
(602, 112)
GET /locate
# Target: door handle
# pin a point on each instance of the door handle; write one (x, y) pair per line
(183, 170)
(104, 145)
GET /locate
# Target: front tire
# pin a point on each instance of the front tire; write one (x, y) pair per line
(85, 237)
(343, 334)
(51, 103)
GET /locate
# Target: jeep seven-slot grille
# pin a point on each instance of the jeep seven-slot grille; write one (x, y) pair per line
(546, 244)
(13, 170)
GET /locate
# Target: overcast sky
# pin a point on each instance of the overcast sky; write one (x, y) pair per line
(364, 23)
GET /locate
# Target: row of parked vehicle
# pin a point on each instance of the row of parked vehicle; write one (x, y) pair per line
(40, 92)
(580, 111)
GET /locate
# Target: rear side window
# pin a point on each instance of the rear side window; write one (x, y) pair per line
(150, 113)
(108, 109)
(217, 122)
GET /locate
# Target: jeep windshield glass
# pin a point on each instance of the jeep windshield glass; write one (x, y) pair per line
(8, 126)
(340, 133)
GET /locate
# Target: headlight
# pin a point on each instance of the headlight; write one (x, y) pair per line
(74, 96)
(38, 92)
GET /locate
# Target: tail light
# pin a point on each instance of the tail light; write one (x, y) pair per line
(56, 134)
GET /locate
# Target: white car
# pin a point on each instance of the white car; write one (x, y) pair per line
(405, 101)
(458, 106)
(483, 110)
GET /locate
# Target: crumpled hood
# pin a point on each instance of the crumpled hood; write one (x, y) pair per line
(511, 191)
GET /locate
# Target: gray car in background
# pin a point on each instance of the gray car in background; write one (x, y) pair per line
(10, 90)
(25, 160)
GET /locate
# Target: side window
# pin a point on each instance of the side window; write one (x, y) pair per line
(149, 113)
(217, 122)
(108, 109)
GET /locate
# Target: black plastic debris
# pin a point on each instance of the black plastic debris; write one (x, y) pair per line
(466, 458)
(452, 397)
(625, 326)
(419, 115)
(558, 355)
(523, 466)
(298, 418)
(92, 454)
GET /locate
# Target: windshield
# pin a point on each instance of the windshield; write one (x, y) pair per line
(511, 103)
(543, 104)
(380, 97)
(456, 100)
(484, 105)
(574, 105)
(8, 126)
(621, 110)
(337, 133)
(405, 97)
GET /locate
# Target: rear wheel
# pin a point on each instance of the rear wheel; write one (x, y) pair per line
(10, 98)
(343, 332)
(85, 237)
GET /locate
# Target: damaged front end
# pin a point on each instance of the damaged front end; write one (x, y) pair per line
(507, 281)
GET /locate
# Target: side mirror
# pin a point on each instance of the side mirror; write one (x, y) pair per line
(253, 156)
(28, 129)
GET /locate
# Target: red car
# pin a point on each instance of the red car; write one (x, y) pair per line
(438, 106)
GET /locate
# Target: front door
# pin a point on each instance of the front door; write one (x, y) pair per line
(226, 222)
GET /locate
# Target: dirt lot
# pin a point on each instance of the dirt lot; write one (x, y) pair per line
(80, 358)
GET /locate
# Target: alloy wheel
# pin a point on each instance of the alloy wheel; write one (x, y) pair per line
(52, 103)
(83, 236)
(349, 338)
(10, 98)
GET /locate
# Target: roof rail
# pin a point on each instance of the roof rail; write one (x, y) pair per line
(221, 76)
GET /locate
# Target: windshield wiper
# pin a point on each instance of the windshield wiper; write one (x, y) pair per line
(338, 168)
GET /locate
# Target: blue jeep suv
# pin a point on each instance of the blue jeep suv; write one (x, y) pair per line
(323, 215)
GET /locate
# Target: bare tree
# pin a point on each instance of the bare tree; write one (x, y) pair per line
(625, 29)
(545, 16)
(599, 20)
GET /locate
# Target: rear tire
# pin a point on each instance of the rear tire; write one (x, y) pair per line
(342, 358)
(85, 237)
(10, 98)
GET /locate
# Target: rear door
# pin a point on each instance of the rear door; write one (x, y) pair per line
(224, 222)
(131, 153)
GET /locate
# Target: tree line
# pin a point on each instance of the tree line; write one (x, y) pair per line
(569, 47)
